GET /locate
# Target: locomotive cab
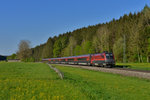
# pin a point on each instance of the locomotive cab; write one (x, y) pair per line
(109, 60)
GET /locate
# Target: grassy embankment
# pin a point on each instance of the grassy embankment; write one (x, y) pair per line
(36, 81)
(99, 85)
(138, 66)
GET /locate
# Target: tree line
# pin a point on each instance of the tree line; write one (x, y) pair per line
(131, 32)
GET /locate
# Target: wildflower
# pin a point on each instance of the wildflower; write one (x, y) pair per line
(33, 98)
(41, 95)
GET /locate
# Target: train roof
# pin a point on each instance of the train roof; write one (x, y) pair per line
(78, 56)
(71, 57)
(46, 59)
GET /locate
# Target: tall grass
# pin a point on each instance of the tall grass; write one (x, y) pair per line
(104, 86)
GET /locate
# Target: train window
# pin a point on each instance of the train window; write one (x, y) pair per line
(63, 60)
(56, 60)
(82, 59)
(109, 56)
(70, 59)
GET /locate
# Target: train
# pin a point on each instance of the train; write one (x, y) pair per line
(105, 59)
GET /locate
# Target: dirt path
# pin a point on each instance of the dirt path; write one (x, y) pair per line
(57, 71)
(132, 73)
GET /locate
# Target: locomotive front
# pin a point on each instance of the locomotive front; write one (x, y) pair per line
(109, 60)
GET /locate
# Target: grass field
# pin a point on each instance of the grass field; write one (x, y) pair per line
(99, 85)
(138, 66)
(36, 81)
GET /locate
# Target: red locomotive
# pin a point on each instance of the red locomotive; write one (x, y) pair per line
(104, 59)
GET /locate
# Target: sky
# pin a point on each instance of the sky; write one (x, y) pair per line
(37, 20)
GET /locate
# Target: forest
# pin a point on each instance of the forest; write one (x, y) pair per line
(127, 37)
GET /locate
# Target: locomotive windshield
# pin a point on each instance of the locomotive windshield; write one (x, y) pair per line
(109, 56)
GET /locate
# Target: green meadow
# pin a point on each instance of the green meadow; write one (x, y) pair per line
(137, 66)
(36, 81)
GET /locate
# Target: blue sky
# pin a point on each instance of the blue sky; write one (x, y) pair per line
(37, 20)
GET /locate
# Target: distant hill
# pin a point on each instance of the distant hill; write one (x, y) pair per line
(3, 58)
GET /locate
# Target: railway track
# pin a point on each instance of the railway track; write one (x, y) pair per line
(121, 71)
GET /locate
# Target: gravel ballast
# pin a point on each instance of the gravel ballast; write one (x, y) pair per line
(139, 74)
